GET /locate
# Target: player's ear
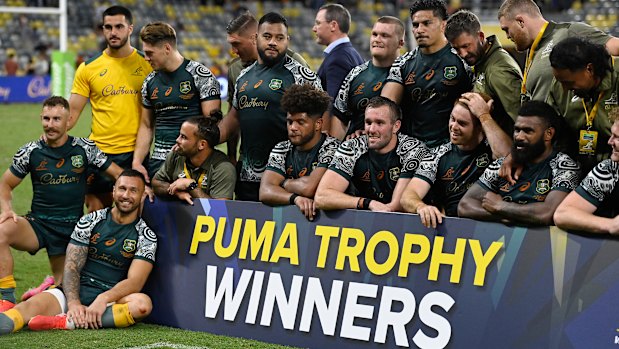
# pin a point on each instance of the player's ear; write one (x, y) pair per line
(549, 134)
(396, 126)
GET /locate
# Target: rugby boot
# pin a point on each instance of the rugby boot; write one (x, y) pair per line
(47, 282)
(57, 322)
(5, 305)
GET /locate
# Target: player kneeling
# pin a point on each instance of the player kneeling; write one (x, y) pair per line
(108, 261)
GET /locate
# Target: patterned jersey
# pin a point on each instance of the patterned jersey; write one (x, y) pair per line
(258, 92)
(432, 83)
(375, 175)
(600, 188)
(557, 172)
(452, 171)
(111, 249)
(360, 85)
(175, 97)
(58, 176)
(290, 162)
(109, 83)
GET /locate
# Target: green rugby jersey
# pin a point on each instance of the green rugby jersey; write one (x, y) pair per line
(432, 83)
(360, 85)
(290, 162)
(557, 172)
(600, 188)
(257, 96)
(111, 249)
(375, 175)
(175, 97)
(451, 171)
(58, 176)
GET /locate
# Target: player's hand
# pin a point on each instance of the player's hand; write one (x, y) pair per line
(492, 202)
(77, 313)
(8, 215)
(184, 196)
(178, 185)
(148, 192)
(377, 206)
(430, 216)
(510, 170)
(307, 207)
(355, 134)
(94, 312)
(140, 168)
(476, 103)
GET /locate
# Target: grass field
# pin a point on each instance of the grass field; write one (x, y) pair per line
(21, 124)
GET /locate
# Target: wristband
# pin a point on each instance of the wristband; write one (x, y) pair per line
(292, 197)
(283, 183)
(193, 185)
(359, 204)
(484, 117)
(366, 203)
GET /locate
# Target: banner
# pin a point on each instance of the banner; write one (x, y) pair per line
(358, 279)
(63, 72)
(24, 89)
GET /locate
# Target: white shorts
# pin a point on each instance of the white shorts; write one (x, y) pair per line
(60, 297)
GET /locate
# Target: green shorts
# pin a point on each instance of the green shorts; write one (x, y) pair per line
(52, 235)
(99, 182)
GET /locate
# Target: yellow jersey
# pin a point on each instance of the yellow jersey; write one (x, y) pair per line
(114, 88)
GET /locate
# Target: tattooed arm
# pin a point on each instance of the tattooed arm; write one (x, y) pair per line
(75, 259)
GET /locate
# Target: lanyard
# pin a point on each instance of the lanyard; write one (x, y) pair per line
(529, 61)
(591, 115)
(188, 174)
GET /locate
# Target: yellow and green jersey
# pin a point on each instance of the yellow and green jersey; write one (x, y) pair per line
(113, 86)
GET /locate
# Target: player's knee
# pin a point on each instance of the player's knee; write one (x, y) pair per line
(142, 306)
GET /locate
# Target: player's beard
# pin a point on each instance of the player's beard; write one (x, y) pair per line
(270, 61)
(122, 43)
(529, 152)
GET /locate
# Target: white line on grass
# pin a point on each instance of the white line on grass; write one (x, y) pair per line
(167, 345)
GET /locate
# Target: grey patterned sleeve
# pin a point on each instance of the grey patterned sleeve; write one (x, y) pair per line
(277, 158)
(327, 151)
(83, 228)
(490, 178)
(147, 242)
(205, 81)
(600, 182)
(21, 160)
(429, 164)
(565, 173)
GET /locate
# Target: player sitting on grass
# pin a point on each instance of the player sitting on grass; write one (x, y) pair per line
(109, 258)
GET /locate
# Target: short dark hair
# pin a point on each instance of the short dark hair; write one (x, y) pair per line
(54, 101)
(399, 31)
(541, 110)
(273, 18)
(380, 101)
(241, 23)
(574, 54)
(339, 14)
(132, 173)
(156, 33)
(305, 99)
(463, 21)
(207, 128)
(118, 10)
(438, 7)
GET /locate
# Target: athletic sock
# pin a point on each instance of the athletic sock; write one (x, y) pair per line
(117, 315)
(7, 288)
(11, 321)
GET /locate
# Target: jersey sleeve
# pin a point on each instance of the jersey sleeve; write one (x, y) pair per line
(327, 151)
(565, 173)
(412, 151)
(395, 73)
(21, 160)
(166, 172)
(94, 155)
(84, 227)
(81, 86)
(340, 105)
(347, 155)
(147, 242)
(599, 183)
(277, 158)
(223, 181)
(490, 179)
(428, 167)
(588, 32)
(206, 83)
(146, 102)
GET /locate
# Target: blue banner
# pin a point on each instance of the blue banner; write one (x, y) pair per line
(24, 89)
(358, 279)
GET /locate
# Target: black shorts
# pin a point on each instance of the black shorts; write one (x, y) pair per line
(153, 167)
(52, 235)
(99, 182)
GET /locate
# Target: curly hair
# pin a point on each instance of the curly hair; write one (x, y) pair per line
(305, 99)
(574, 54)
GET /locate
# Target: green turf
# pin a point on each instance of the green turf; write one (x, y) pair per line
(21, 124)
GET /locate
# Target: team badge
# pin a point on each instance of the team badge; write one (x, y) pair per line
(450, 72)
(77, 161)
(129, 245)
(543, 186)
(275, 84)
(185, 87)
(482, 161)
(394, 173)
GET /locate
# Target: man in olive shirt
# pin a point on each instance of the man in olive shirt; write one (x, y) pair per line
(196, 169)
(524, 24)
(495, 72)
(584, 92)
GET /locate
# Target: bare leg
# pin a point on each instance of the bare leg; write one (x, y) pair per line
(98, 201)
(18, 235)
(57, 265)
